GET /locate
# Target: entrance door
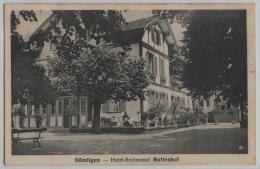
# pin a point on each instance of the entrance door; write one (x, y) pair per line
(89, 114)
(66, 115)
(66, 119)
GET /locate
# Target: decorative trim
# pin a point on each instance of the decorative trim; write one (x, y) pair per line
(167, 87)
(154, 50)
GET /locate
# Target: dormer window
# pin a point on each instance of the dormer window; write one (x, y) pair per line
(156, 37)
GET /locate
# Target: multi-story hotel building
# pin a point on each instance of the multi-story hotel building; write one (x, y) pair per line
(151, 38)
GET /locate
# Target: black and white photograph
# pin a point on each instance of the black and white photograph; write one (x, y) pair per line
(129, 81)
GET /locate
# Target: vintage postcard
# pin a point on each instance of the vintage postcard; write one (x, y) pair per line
(129, 84)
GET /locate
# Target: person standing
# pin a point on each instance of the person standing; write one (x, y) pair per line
(18, 110)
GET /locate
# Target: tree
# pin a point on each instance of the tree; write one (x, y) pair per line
(28, 79)
(216, 49)
(102, 75)
(94, 70)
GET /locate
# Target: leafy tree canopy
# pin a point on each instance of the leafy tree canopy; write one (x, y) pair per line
(28, 78)
(93, 69)
(216, 49)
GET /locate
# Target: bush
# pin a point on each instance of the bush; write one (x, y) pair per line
(212, 116)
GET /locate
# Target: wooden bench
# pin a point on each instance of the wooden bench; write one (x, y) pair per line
(17, 135)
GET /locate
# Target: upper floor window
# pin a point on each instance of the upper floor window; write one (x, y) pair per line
(162, 68)
(208, 104)
(52, 46)
(188, 102)
(156, 37)
(152, 63)
(172, 99)
(152, 98)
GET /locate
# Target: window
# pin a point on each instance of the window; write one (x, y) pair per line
(156, 96)
(201, 103)
(163, 98)
(113, 106)
(172, 99)
(178, 99)
(66, 106)
(228, 106)
(89, 107)
(156, 37)
(83, 105)
(49, 109)
(59, 107)
(33, 110)
(182, 101)
(44, 109)
(161, 66)
(152, 63)
(52, 46)
(188, 102)
(152, 96)
(208, 102)
(53, 109)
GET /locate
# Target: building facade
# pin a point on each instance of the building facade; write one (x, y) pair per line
(150, 38)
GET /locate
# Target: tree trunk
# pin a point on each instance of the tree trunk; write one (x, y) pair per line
(78, 105)
(141, 112)
(96, 118)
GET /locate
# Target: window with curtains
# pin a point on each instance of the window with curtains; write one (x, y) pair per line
(152, 63)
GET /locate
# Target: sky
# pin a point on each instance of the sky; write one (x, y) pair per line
(26, 29)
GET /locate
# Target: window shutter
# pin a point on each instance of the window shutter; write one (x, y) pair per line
(147, 61)
(160, 66)
(163, 73)
(155, 65)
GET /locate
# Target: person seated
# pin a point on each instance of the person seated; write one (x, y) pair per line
(126, 118)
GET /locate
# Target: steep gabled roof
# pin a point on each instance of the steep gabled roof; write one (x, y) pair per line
(138, 27)
(137, 24)
(131, 32)
(47, 24)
